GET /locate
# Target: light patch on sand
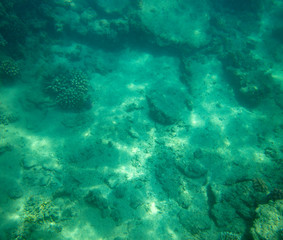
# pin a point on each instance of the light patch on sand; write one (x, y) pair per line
(224, 151)
(86, 231)
(278, 78)
(128, 149)
(14, 217)
(217, 121)
(227, 143)
(140, 60)
(172, 233)
(135, 150)
(177, 143)
(135, 87)
(87, 133)
(129, 171)
(38, 144)
(196, 121)
(42, 150)
(260, 157)
(153, 210)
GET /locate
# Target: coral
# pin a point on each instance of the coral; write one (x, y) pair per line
(9, 4)
(70, 90)
(9, 68)
(14, 30)
(270, 152)
(5, 119)
(259, 185)
(39, 214)
(3, 42)
(248, 77)
(194, 222)
(229, 236)
(275, 194)
(269, 221)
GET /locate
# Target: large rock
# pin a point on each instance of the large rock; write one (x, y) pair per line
(176, 22)
(167, 104)
(195, 222)
(113, 6)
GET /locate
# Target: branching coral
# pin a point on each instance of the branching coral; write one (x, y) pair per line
(70, 90)
(229, 236)
(39, 214)
(9, 68)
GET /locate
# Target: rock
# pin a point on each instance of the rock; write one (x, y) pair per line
(112, 6)
(184, 200)
(166, 104)
(28, 162)
(116, 216)
(120, 191)
(15, 192)
(194, 170)
(95, 199)
(136, 200)
(188, 27)
(194, 222)
(133, 133)
(5, 147)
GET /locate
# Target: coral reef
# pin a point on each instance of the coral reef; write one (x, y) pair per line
(229, 236)
(9, 68)
(259, 185)
(248, 77)
(3, 42)
(14, 30)
(238, 203)
(39, 215)
(70, 90)
(194, 222)
(269, 222)
(6, 119)
(275, 194)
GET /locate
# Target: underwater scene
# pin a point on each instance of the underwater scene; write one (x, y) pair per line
(141, 119)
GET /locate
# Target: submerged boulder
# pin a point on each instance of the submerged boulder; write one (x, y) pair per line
(112, 6)
(167, 104)
(176, 22)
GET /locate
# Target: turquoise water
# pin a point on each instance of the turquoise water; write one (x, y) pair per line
(141, 119)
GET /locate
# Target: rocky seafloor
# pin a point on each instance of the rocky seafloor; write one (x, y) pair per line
(141, 119)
